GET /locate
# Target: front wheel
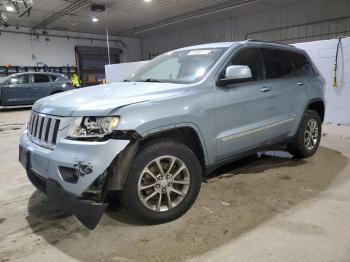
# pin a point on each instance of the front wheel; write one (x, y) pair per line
(307, 139)
(164, 181)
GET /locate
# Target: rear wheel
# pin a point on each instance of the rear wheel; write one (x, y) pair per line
(307, 139)
(164, 181)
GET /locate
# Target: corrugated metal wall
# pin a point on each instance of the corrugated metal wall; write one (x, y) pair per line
(301, 22)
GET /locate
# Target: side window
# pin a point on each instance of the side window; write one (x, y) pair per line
(38, 78)
(21, 79)
(53, 78)
(302, 65)
(250, 57)
(276, 63)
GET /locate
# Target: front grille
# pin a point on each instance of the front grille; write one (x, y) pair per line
(43, 129)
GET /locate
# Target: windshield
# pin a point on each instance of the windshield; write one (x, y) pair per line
(186, 66)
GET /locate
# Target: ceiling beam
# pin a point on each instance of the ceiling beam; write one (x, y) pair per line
(70, 8)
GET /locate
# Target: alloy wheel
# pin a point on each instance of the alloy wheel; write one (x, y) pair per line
(163, 183)
(311, 134)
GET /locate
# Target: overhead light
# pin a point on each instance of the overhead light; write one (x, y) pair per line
(94, 19)
(9, 8)
(147, 1)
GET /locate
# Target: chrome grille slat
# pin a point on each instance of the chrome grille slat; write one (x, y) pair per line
(42, 135)
(29, 126)
(51, 131)
(35, 125)
(37, 132)
(32, 124)
(43, 129)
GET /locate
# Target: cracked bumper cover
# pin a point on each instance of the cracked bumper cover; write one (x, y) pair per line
(87, 212)
(44, 173)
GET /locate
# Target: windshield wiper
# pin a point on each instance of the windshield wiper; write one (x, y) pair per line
(152, 80)
(126, 80)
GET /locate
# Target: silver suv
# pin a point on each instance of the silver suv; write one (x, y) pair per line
(153, 137)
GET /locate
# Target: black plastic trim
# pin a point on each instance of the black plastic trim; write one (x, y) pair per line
(130, 135)
(87, 212)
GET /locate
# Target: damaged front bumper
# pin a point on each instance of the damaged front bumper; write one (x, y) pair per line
(88, 212)
(86, 162)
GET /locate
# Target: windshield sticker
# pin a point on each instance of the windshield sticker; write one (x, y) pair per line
(199, 52)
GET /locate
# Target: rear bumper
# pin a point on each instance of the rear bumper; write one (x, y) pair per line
(87, 212)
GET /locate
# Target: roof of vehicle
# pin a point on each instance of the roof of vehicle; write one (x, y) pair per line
(230, 44)
(41, 73)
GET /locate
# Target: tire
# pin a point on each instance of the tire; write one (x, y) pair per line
(166, 152)
(300, 147)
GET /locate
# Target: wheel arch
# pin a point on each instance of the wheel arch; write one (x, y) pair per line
(184, 133)
(318, 105)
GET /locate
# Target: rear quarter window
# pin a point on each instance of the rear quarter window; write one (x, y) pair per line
(53, 78)
(302, 65)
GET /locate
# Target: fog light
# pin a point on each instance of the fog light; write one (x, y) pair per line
(70, 175)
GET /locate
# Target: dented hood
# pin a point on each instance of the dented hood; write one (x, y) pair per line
(102, 99)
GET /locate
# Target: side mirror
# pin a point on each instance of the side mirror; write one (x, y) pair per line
(236, 74)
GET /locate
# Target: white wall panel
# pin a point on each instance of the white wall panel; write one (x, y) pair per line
(337, 98)
(17, 49)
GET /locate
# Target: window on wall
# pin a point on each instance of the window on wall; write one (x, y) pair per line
(276, 63)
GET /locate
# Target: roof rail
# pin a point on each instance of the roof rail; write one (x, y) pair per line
(262, 41)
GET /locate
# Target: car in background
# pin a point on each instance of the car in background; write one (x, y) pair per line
(26, 88)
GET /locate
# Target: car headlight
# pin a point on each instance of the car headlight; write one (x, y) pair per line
(92, 127)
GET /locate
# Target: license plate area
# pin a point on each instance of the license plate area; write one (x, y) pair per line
(24, 157)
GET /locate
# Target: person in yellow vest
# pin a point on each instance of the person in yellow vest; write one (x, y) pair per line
(76, 80)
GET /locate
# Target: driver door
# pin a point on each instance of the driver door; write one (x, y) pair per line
(245, 108)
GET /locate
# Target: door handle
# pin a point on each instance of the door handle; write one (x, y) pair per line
(266, 89)
(300, 84)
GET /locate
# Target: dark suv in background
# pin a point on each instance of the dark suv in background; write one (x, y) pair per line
(26, 88)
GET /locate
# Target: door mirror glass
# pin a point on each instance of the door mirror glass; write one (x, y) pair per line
(238, 72)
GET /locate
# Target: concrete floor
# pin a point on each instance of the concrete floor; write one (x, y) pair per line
(270, 208)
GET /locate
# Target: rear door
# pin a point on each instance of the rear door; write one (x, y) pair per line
(43, 85)
(18, 90)
(288, 90)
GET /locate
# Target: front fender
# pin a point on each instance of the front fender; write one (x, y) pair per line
(196, 110)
